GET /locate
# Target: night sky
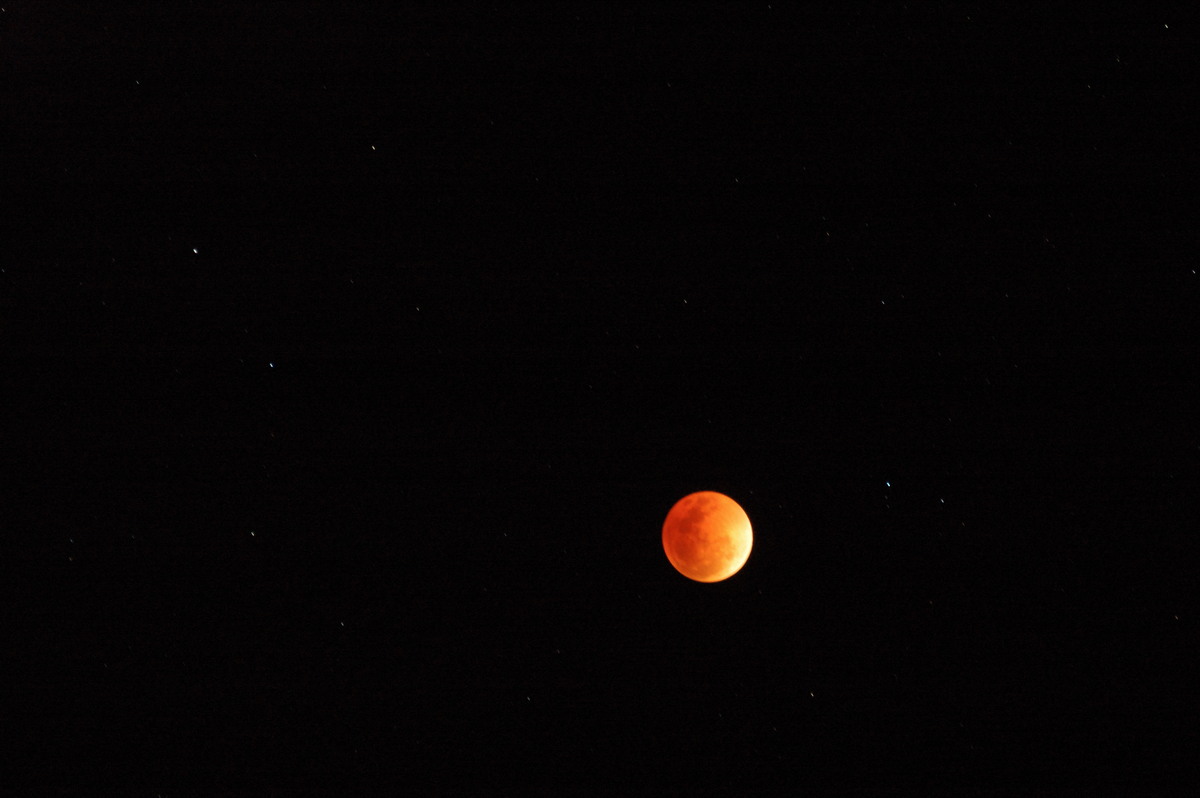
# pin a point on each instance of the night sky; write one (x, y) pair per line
(352, 354)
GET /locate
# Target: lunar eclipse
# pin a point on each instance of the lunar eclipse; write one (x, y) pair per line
(707, 536)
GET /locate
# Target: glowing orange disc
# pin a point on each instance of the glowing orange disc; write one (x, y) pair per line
(707, 536)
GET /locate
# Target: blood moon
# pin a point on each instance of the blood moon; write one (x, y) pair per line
(707, 536)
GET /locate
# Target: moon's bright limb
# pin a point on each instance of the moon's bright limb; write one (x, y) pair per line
(707, 536)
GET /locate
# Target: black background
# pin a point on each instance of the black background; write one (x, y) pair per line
(354, 353)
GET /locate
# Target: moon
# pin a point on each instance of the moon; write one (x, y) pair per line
(707, 536)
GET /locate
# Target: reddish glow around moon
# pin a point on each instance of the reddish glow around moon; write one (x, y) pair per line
(707, 536)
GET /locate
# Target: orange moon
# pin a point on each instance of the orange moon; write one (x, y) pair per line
(707, 536)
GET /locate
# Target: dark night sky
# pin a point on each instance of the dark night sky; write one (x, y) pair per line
(352, 355)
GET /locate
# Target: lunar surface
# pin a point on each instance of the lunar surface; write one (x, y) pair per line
(707, 536)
